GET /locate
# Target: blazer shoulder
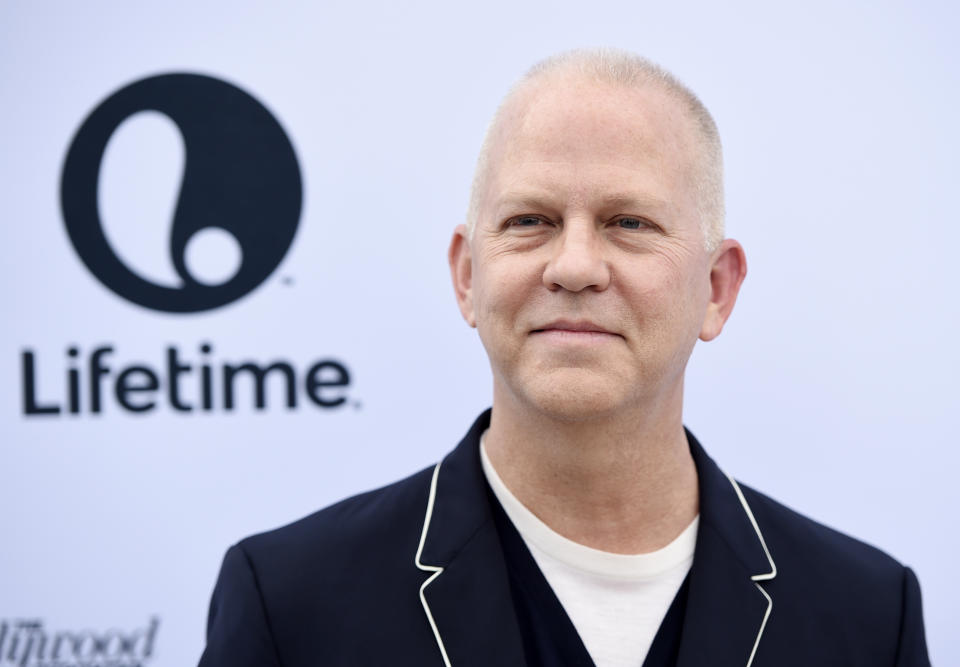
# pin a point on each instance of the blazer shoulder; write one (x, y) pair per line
(367, 523)
(351, 565)
(833, 586)
(793, 537)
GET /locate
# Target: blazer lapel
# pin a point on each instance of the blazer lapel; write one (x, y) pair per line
(466, 598)
(728, 606)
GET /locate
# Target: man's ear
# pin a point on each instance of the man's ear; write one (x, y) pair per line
(727, 271)
(461, 271)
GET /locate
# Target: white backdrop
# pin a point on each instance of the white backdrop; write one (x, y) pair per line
(833, 387)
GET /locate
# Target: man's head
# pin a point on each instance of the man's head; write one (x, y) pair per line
(586, 269)
(628, 71)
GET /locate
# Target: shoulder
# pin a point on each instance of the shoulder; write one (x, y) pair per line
(849, 598)
(347, 533)
(831, 585)
(348, 566)
(365, 542)
(793, 538)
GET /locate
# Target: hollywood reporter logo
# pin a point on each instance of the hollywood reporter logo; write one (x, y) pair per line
(240, 180)
(28, 643)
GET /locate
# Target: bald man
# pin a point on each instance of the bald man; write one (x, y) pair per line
(577, 522)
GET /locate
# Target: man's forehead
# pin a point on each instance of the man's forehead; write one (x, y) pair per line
(574, 119)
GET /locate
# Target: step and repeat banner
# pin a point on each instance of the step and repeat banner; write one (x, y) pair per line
(226, 301)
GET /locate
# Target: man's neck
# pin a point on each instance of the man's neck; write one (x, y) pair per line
(623, 485)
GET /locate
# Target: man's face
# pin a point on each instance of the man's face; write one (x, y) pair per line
(587, 276)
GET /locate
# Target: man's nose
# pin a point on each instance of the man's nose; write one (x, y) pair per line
(578, 261)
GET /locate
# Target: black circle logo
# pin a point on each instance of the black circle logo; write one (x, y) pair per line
(240, 176)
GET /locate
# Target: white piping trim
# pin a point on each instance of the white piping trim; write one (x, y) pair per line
(757, 577)
(756, 528)
(436, 569)
(763, 623)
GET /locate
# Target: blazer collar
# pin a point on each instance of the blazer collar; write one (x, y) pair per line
(467, 596)
(467, 599)
(724, 508)
(727, 604)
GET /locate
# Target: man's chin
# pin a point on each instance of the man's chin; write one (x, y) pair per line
(582, 397)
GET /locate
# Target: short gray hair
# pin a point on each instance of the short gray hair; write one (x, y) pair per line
(618, 67)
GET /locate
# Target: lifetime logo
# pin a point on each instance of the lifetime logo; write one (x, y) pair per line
(25, 643)
(240, 178)
(183, 385)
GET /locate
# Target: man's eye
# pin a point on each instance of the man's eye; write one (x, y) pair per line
(526, 221)
(631, 223)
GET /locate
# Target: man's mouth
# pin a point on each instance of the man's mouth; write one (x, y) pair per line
(574, 329)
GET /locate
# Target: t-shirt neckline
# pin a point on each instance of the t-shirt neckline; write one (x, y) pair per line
(678, 553)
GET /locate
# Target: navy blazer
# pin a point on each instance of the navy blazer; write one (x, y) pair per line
(413, 574)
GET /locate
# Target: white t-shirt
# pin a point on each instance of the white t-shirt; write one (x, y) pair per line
(615, 601)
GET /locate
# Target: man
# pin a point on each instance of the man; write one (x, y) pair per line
(577, 523)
